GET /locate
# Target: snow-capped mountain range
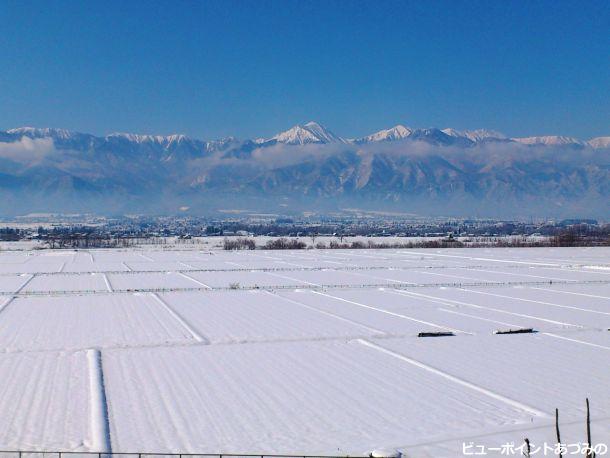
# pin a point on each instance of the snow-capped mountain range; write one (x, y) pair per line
(307, 167)
(315, 133)
(312, 132)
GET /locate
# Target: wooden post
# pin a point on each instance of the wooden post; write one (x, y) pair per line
(557, 431)
(589, 452)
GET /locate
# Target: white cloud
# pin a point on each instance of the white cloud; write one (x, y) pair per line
(27, 150)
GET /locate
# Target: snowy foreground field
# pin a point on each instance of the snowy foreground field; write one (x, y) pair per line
(302, 352)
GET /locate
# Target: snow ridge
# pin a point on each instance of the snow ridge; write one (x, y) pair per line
(100, 427)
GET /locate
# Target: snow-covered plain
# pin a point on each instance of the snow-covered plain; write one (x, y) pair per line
(301, 352)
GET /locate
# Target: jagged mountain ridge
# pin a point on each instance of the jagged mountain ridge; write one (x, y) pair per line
(315, 133)
(431, 171)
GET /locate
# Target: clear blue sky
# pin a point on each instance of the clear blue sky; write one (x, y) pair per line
(247, 68)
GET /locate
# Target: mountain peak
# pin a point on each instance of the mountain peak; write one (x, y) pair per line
(313, 125)
(397, 132)
(311, 132)
(452, 132)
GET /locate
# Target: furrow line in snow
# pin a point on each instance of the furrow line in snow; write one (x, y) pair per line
(474, 317)
(492, 394)
(333, 315)
(481, 307)
(196, 335)
(294, 279)
(514, 273)
(582, 342)
(25, 283)
(400, 282)
(188, 277)
(570, 292)
(7, 303)
(108, 285)
(475, 258)
(444, 275)
(398, 315)
(552, 304)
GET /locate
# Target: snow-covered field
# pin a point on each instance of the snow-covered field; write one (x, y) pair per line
(302, 352)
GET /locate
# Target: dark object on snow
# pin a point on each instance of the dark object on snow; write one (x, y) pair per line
(528, 448)
(435, 334)
(383, 453)
(557, 429)
(590, 453)
(517, 331)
